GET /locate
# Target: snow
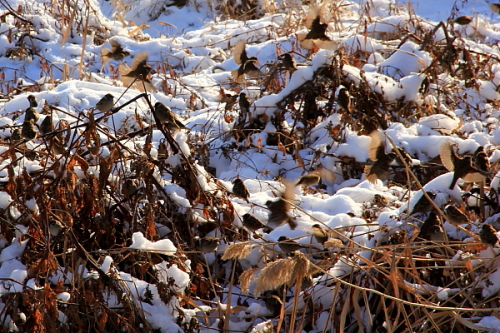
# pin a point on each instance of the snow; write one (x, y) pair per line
(190, 50)
(139, 242)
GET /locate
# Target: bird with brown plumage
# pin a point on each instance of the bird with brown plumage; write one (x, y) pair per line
(381, 161)
(462, 167)
(167, 117)
(138, 74)
(248, 65)
(240, 190)
(279, 209)
(423, 205)
(287, 63)
(317, 31)
(117, 52)
(463, 20)
(105, 104)
(454, 216)
(488, 235)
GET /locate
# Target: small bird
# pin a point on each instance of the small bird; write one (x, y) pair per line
(429, 226)
(454, 216)
(55, 228)
(117, 52)
(495, 7)
(252, 223)
(208, 244)
(287, 63)
(321, 235)
(244, 103)
(317, 31)
(380, 168)
(436, 234)
(278, 210)
(28, 130)
(423, 205)
(380, 200)
(16, 135)
(248, 65)
(32, 100)
(47, 125)
(488, 235)
(230, 101)
(344, 99)
(105, 104)
(129, 188)
(31, 115)
(166, 116)
(273, 304)
(288, 245)
(309, 179)
(240, 190)
(138, 73)
(480, 160)
(460, 166)
(463, 20)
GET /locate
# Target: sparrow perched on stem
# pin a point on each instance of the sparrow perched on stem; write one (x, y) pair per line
(423, 205)
(429, 226)
(454, 216)
(240, 190)
(344, 99)
(31, 113)
(139, 72)
(244, 103)
(166, 116)
(32, 100)
(248, 65)
(317, 31)
(105, 104)
(321, 235)
(252, 223)
(460, 166)
(287, 244)
(287, 63)
(380, 168)
(208, 244)
(488, 235)
(28, 130)
(279, 209)
(117, 52)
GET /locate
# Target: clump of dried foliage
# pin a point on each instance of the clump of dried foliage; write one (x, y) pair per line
(83, 216)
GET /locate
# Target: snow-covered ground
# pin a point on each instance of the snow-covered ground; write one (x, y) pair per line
(52, 50)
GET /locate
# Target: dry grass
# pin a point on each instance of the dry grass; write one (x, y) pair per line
(403, 284)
